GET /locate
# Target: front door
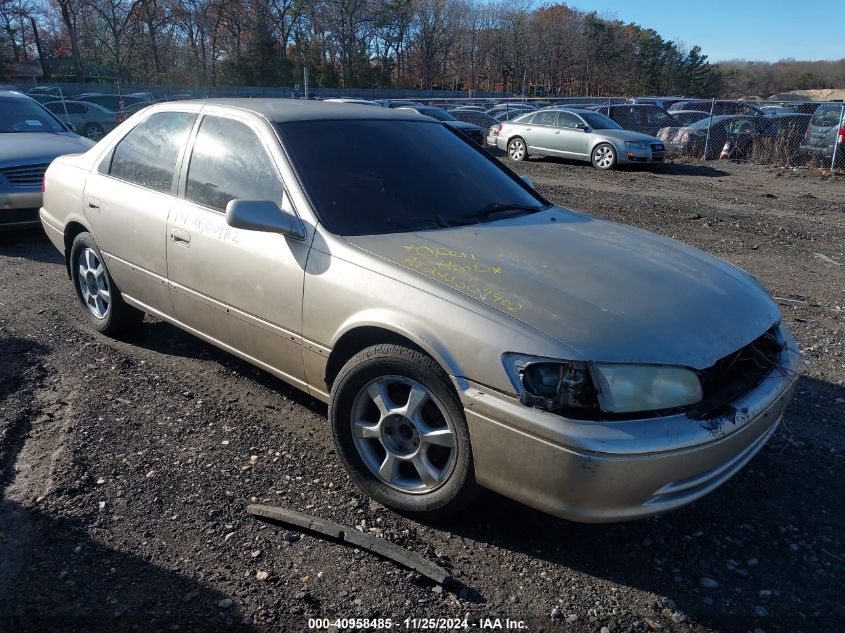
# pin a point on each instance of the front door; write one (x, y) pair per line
(241, 288)
(571, 140)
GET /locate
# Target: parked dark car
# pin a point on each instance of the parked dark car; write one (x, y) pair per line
(644, 118)
(825, 132)
(470, 129)
(779, 140)
(662, 102)
(482, 120)
(691, 140)
(722, 106)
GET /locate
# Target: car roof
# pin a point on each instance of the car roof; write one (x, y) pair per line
(283, 110)
(15, 94)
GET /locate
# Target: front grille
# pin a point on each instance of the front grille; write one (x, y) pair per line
(25, 175)
(736, 374)
(10, 217)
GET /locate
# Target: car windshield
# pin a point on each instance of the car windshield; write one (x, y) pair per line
(436, 113)
(25, 115)
(599, 121)
(423, 176)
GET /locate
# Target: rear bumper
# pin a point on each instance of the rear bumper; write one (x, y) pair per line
(600, 472)
(19, 209)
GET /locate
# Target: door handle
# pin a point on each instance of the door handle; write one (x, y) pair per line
(180, 237)
(93, 203)
(557, 131)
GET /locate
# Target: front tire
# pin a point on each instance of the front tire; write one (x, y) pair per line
(98, 295)
(517, 149)
(400, 431)
(604, 156)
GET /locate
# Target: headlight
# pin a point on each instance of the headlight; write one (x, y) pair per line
(626, 388)
(634, 144)
(552, 385)
(583, 390)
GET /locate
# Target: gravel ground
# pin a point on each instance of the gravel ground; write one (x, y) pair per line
(127, 465)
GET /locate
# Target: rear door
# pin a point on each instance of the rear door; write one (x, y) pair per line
(127, 199)
(540, 134)
(242, 289)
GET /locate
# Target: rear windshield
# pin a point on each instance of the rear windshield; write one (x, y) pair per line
(367, 177)
(827, 115)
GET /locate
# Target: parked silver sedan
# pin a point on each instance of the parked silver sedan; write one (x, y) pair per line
(577, 134)
(462, 335)
(30, 137)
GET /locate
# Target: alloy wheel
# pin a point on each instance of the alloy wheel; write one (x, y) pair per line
(94, 132)
(516, 149)
(403, 434)
(603, 157)
(94, 283)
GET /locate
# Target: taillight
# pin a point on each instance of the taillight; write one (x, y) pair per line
(841, 136)
(120, 118)
(685, 137)
(498, 129)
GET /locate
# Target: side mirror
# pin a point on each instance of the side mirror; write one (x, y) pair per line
(528, 181)
(263, 215)
(585, 128)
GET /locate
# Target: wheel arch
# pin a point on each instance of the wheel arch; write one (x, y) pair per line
(359, 336)
(72, 229)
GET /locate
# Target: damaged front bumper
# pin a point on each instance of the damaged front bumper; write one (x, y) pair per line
(605, 471)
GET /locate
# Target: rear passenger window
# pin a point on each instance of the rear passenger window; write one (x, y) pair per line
(549, 117)
(147, 155)
(228, 162)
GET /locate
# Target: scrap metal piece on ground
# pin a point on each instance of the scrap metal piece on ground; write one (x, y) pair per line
(345, 534)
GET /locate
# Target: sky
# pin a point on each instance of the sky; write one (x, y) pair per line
(756, 30)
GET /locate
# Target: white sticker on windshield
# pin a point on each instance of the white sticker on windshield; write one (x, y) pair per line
(34, 122)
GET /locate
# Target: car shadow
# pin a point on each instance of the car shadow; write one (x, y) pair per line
(667, 169)
(54, 577)
(30, 244)
(162, 337)
(771, 528)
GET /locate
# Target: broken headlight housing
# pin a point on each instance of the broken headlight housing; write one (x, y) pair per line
(583, 390)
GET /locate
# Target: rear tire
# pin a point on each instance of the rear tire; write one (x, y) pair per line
(94, 131)
(400, 432)
(99, 296)
(517, 149)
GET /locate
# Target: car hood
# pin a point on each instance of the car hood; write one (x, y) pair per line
(607, 291)
(626, 135)
(463, 126)
(23, 147)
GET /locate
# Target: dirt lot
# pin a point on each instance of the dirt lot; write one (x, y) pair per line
(127, 465)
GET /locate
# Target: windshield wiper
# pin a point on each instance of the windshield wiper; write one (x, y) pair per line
(494, 209)
(412, 221)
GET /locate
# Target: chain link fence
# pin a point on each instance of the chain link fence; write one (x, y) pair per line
(767, 132)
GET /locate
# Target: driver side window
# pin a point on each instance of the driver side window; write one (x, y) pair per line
(228, 162)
